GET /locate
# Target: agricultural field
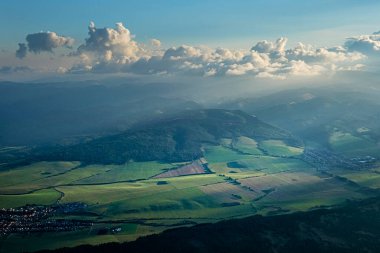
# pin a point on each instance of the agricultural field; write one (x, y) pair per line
(39, 197)
(127, 172)
(246, 145)
(196, 167)
(369, 178)
(279, 148)
(353, 146)
(231, 180)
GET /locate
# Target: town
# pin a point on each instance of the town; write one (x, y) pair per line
(29, 219)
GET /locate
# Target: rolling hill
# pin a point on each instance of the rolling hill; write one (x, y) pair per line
(173, 139)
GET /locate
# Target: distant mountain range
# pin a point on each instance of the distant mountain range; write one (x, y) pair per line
(313, 114)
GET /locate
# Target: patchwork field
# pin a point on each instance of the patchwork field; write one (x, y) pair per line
(197, 167)
(234, 179)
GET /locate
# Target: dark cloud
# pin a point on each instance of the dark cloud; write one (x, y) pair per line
(43, 42)
(21, 51)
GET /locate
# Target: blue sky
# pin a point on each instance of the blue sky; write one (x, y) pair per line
(216, 23)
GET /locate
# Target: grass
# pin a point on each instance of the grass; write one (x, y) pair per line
(272, 165)
(302, 191)
(217, 154)
(246, 145)
(279, 148)
(227, 192)
(44, 175)
(369, 179)
(34, 172)
(353, 146)
(127, 172)
(41, 197)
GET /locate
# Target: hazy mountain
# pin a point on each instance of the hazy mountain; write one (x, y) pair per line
(177, 138)
(313, 114)
(47, 113)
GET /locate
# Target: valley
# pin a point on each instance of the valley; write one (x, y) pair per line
(237, 177)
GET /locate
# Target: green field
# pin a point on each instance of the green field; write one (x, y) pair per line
(127, 172)
(217, 154)
(246, 145)
(40, 197)
(369, 178)
(279, 148)
(244, 181)
(353, 146)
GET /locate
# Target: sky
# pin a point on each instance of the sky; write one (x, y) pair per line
(234, 25)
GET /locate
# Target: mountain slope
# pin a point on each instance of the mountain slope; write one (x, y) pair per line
(314, 114)
(178, 138)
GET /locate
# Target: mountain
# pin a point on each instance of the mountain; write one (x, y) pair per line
(315, 114)
(39, 114)
(352, 227)
(173, 139)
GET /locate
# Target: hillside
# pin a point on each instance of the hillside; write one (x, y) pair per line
(174, 139)
(350, 228)
(325, 118)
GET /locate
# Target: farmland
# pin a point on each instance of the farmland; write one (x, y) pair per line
(237, 178)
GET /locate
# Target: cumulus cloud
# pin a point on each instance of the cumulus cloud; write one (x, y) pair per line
(266, 59)
(47, 41)
(43, 42)
(366, 44)
(116, 50)
(108, 45)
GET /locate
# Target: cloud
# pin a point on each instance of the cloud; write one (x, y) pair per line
(112, 50)
(16, 69)
(43, 42)
(110, 45)
(47, 41)
(21, 51)
(266, 59)
(367, 44)
(155, 42)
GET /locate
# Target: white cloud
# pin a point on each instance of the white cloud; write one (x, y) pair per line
(116, 50)
(108, 44)
(366, 44)
(265, 59)
(155, 42)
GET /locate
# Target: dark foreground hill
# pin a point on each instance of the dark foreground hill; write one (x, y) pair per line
(353, 227)
(178, 138)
